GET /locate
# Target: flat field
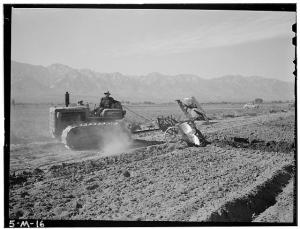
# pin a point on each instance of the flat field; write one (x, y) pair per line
(245, 174)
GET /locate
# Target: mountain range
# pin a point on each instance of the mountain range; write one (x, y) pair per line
(35, 83)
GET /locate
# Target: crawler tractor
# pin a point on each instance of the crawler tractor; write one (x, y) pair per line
(80, 128)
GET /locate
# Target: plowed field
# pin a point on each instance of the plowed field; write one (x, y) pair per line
(245, 174)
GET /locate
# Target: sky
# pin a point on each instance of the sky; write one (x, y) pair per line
(207, 43)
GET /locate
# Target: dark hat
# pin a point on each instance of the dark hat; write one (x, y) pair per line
(107, 93)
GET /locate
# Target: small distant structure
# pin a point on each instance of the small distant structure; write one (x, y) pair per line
(250, 106)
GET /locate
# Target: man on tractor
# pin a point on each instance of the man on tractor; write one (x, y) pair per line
(107, 101)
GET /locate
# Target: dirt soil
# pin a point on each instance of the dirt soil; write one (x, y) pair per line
(283, 210)
(245, 174)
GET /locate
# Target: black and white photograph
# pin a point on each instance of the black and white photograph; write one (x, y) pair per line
(150, 115)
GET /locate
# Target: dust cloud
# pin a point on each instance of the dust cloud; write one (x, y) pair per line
(115, 141)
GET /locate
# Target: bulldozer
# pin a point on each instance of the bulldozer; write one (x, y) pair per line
(78, 127)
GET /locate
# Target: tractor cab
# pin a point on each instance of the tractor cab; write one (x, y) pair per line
(115, 112)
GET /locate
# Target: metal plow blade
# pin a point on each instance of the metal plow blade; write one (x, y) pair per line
(189, 134)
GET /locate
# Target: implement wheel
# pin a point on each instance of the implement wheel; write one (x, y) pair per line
(172, 135)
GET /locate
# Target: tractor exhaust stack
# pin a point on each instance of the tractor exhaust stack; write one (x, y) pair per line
(67, 99)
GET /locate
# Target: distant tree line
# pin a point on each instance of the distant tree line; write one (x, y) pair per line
(125, 102)
(258, 101)
(145, 102)
(148, 102)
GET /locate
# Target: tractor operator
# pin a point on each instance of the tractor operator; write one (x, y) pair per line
(107, 101)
